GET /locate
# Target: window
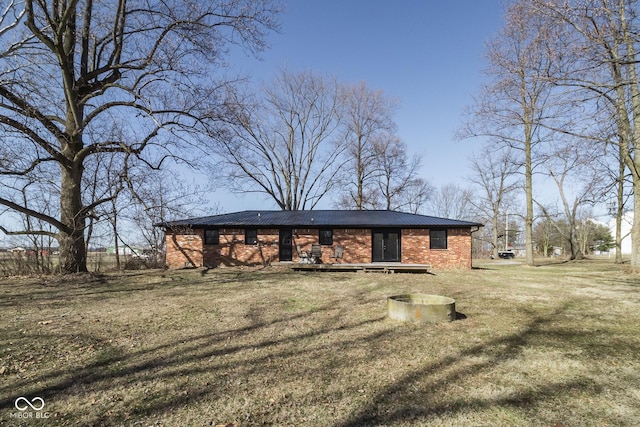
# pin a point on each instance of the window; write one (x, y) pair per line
(250, 237)
(211, 237)
(326, 236)
(438, 239)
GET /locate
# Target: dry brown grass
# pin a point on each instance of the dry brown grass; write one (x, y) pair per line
(546, 346)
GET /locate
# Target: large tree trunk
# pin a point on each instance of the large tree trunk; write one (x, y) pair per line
(360, 178)
(73, 251)
(574, 245)
(620, 205)
(634, 159)
(73, 256)
(635, 228)
(494, 237)
(528, 221)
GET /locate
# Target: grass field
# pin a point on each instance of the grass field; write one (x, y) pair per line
(555, 345)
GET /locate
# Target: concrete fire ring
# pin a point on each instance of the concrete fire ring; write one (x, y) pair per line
(421, 308)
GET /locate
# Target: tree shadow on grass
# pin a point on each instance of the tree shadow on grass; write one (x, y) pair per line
(115, 369)
(99, 286)
(414, 396)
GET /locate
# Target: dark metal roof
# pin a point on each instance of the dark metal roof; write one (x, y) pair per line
(320, 218)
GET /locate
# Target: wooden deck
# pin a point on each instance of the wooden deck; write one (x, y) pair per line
(392, 267)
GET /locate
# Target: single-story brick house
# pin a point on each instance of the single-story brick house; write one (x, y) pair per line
(258, 237)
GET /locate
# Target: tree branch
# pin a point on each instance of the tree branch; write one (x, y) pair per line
(46, 218)
(28, 232)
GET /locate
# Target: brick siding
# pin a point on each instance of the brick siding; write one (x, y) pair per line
(416, 249)
(185, 248)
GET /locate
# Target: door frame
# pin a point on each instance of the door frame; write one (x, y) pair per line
(283, 248)
(385, 239)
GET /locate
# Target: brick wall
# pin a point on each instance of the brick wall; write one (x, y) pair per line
(185, 248)
(416, 243)
(233, 251)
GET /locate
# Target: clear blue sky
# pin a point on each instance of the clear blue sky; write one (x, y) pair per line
(427, 53)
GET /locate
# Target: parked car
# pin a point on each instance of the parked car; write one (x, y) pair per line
(506, 254)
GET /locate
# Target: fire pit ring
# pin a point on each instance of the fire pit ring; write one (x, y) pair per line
(421, 308)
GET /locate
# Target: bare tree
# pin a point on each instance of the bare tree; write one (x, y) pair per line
(511, 109)
(156, 198)
(400, 187)
(604, 63)
(284, 144)
(103, 180)
(546, 237)
(71, 69)
(38, 255)
(614, 186)
(569, 165)
(494, 171)
(452, 201)
(377, 173)
(368, 120)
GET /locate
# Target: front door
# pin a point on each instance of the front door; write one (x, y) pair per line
(285, 252)
(385, 245)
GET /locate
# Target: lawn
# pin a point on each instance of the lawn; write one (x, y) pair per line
(555, 345)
